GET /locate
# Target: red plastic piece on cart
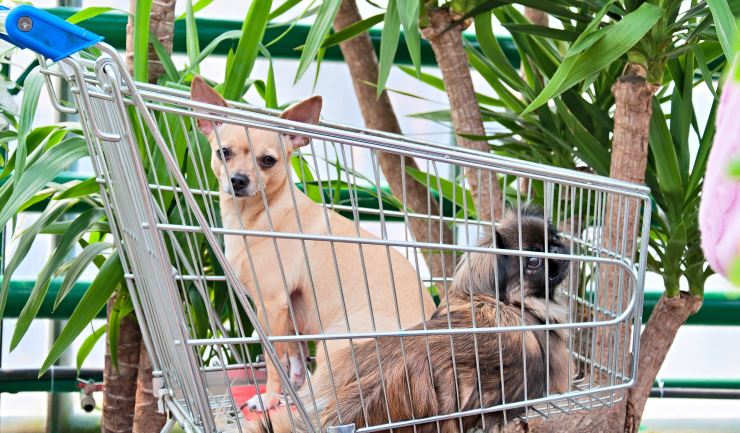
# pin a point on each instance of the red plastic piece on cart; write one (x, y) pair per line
(243, 393)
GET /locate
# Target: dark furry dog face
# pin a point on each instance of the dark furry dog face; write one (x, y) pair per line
(492, 274)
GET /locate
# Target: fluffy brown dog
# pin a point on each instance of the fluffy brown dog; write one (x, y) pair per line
(285, 277)
(440, 373)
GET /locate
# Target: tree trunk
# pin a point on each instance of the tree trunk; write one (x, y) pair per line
(378, 114)
(667, 317)
(446, 42)
(129, 404)
(162, 25)
(119, 385)
(147, 418)
(536, 17)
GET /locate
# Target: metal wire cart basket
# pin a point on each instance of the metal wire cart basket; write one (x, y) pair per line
(253, 243)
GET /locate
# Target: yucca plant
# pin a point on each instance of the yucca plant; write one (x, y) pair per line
(558, 109)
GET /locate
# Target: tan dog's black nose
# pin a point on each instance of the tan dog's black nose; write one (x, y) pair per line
(239, 183)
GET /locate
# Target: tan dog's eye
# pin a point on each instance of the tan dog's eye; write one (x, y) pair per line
(223, 153)
(267, 161)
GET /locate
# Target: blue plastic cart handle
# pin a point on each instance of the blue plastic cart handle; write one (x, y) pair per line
(44, 33)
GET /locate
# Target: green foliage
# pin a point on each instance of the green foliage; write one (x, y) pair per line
(557, 110)
(253, 29)
(141, 40)
(85, 240)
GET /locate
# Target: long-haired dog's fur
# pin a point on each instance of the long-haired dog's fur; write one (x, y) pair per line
(375, 386)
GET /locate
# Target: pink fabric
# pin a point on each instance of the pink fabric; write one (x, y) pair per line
(719, 212)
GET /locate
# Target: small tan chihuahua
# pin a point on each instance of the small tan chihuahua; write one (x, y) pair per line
(250, 164)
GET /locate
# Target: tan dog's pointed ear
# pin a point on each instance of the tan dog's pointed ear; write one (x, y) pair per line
(306, 111)
(200, 91)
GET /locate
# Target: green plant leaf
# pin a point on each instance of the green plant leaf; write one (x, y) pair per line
(31, 92)
(39, 174)
(102, 287)
(388, 44)
(492, 50)
(52, 212)
(114, 329)
(408, 13)
(88, 13)
(545, 32)
(191, 36)
(86, 187)
(141, 40)
(317, 33)
(591, 33)
(63, 248)
(252, 32)
(285, 7)
(270, 89)
(612, 45)
(448, 189)
(76, 266)
(200, 4)
(666, 161)
(87, 346)
(725, 24)
(352, 30)
(170, 70)
(205, 52)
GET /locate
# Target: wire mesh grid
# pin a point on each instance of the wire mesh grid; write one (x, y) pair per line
(350, 301)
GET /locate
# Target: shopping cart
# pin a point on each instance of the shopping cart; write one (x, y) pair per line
(208, 348)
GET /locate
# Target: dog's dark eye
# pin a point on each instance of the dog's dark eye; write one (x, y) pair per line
(223, 153)
(534, 262)
(267, 161)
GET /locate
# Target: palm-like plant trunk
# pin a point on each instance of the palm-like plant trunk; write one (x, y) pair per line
(119, 382)
(377, 112)
(446, 42)
(129, 403)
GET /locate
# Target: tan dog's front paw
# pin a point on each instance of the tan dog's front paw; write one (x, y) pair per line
(297, 371)
(263, 402)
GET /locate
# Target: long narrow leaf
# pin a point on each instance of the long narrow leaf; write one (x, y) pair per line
(170, 69)
(408, 13)
(492, 50)
(40, 173)
(725, 25)
(88, 13)
(252, 32)
(352, 30)
(141, 40)
(31, 92)
(25, 241)
(64, 247)
(319, 30)
(191, 35)
(87, 346)
(616, 42)
(94, 299)
(77, 265)
(200, 4)
(666, 161)
(388, 44)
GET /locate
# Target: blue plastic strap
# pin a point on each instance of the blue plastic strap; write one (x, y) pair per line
(46, 34)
